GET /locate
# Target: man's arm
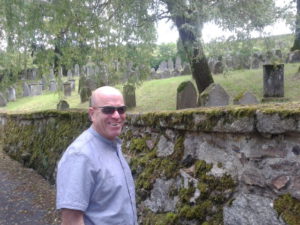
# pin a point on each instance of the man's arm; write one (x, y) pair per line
(72, 217)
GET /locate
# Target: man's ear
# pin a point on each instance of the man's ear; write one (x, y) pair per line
(91, 113)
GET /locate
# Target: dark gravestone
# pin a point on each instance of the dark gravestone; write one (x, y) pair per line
(273, 80)
(26, 90)
(35, 89)
(91, 83)
(67, 89)
(218, 67)
(186, 96)
(81, 83)
(129, 95)
(62, 105)
(85, 94)
(3, 101)
(213, 95)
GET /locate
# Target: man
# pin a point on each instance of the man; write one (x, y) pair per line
(94, 182)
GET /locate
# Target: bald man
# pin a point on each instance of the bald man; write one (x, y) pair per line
(94, 182)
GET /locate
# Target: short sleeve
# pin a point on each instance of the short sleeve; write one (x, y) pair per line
(74, 182)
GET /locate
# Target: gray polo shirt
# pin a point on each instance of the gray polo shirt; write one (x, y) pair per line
(94, 177)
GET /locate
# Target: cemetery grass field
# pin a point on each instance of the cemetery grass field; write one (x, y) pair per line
(158, 95)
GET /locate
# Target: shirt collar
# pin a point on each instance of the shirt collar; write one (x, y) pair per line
(115, 142)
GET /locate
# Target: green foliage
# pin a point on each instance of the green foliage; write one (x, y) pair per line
(288, 208)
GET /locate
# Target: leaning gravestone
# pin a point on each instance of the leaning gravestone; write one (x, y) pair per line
(62, 105)
(186, 96)
(245, 99)
(3, 101)
(26, 90)
(273, 80)
(11, 94)
(67, 89)
(213, 95)
(129, 95)
(35, 89)
(52, 86)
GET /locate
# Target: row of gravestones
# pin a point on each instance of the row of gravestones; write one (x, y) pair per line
(215, 95)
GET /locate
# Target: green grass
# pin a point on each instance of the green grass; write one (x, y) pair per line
(156, 95)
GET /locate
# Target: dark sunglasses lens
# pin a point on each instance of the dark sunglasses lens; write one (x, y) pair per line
(111, 110)
(122, 109)
(108, 110)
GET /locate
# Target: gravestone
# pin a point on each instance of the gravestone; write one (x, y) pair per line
(51, 74)
(11, 94)
(32, 74)
(218, 67)
(85, 94)
(273, 76)
(186, 96)
(76, 70)
(255, 61)
(81, 83)
(69, 74)
(245, 99)
(294, 56)
(213, 95)
(72, 81)
(186, 69)
(129, 95)
(3, 101)
(170, 65)
(62, 105)
(163, 66)
(178, 66)
(67, 89)
(26, 90)
(91, 83)
(35, 89)
(52, 86)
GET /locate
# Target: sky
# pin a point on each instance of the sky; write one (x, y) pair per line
(167, 33)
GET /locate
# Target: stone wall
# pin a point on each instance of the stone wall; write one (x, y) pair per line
(221, 165)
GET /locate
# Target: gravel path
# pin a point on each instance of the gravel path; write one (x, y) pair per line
(26, 198)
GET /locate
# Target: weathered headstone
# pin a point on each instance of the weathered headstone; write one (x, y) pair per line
(163, 66)
(178, 66)
(186, 96)
(129, 95)
(170, 65)
(51, 74)
(52, 86)
(273, 76)
(294, 56)
(213, 95)
(76, 70)
(255, 61)
(186, 69)
(245, 99)
(3, 101)
(43, 83)
(62, 105)
(35, 89)
(218, 67)
(67, 89)
(11, 94)
(72, 81)
(85, 94)
(69, 74)
(26, 90)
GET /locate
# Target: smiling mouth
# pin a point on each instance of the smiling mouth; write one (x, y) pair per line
(115, 124)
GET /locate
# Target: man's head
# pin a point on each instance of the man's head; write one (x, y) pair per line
(107, 111)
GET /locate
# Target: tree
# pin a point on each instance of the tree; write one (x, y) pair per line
(296, 45)
(189, 17)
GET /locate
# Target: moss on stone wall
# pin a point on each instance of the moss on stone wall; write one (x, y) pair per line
(38, 139)
(288, 208)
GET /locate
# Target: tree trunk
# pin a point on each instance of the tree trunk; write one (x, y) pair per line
(296, 45)
(187, 27)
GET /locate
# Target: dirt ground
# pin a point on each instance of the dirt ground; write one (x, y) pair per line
(26, 198)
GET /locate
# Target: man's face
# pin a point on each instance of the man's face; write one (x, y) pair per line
(108, 125)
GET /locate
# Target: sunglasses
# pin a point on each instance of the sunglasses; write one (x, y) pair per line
(109, 110)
